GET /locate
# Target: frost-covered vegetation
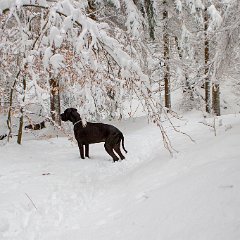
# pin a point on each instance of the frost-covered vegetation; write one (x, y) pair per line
(166, 73)
(105, 56)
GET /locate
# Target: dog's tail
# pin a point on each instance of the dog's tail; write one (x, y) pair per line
(122, 138)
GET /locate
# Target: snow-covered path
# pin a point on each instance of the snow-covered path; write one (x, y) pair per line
(47, 192)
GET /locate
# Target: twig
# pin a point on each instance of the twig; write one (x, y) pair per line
(31, 201)
(207, 124)
(213, 126)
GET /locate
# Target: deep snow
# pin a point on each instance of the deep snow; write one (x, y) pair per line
(47, 192)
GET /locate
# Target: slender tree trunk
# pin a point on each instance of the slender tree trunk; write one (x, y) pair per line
(166, 59)
(206, 55)
(187, 88)
(55, 106)
(216, 99)
(151, 20)
(9, 119)
(20, 129)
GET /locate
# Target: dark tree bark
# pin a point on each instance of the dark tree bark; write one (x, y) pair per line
(55, 106)
(92, 9)
(166, 59)
(20, 129)
(216, 99)
(151, 20)
(206, 56)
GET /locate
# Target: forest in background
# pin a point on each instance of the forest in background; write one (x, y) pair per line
(99, 55)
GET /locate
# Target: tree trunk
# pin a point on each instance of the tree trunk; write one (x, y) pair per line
(20, 129)
(9, 119)
(151, 20)
(187, 88)
(166, 59)
(216, 99)
(55, 106)
(206, 55)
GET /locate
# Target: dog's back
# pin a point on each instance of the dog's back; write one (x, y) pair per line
(94, 132)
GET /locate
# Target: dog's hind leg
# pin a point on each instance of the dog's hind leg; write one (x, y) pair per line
(81, 150)
(109, 150)
(118, 151)
(87, 150)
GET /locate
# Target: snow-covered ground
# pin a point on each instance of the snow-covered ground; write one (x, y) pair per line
(47, 192)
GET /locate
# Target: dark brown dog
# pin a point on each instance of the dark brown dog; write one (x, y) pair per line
(94, 133)
(37, 126)
(3, 136)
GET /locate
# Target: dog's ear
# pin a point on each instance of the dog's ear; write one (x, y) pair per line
(75, 114)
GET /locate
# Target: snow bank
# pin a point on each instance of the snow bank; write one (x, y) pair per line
(48, 192)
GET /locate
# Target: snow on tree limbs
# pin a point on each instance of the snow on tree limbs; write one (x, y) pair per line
(72, 59)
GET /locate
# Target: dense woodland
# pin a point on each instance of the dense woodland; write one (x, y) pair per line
(97, 55)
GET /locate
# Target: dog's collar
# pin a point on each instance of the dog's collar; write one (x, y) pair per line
(77, 122)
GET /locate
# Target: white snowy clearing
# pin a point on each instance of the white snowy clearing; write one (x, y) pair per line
(47, 192)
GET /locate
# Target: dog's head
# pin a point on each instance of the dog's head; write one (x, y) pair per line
(70, 114)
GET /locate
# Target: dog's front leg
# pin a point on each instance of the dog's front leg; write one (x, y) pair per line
(81, 150)
(87, 150)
